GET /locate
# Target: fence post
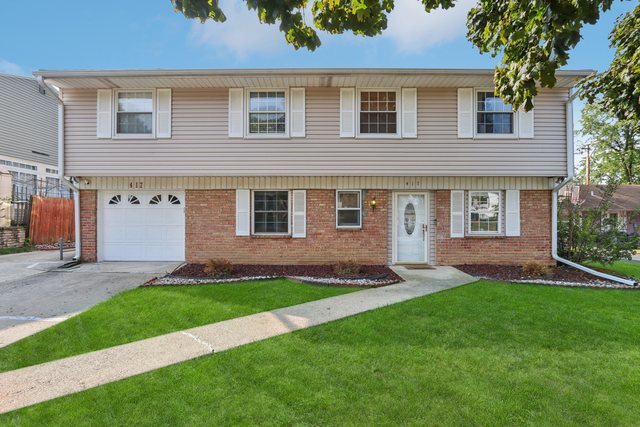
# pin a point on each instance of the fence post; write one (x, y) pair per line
(61, 253)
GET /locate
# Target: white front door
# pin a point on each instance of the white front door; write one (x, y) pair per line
(142, 226)
(411, 234)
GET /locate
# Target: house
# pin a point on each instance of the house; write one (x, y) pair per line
(281, 166)
(29, 137)
(624, 204)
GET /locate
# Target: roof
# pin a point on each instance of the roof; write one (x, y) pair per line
(275, 77)
(625, 198)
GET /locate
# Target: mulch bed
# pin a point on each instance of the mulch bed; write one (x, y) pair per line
(369, 275)
(563, 275)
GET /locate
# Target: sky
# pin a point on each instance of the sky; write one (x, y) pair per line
(121, 34)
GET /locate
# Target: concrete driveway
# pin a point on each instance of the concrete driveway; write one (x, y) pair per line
(35, 294)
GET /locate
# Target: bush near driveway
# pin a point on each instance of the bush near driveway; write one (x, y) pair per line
(488, 353)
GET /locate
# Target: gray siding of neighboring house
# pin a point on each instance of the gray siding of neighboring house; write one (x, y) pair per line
(28, 121)
(200, 146)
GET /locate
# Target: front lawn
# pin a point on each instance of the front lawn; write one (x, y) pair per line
(627, 268)
(147, 312)
(488, 353)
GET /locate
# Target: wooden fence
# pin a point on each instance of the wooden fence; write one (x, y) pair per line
(51, 219)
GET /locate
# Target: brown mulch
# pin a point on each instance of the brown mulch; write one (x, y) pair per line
(370, 272)
(561, 273)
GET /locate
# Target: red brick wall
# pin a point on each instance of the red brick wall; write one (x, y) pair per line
(533, 244)
(210, 232)
(88, 225)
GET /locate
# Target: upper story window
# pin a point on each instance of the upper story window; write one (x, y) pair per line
(270, 212)
(267, 112)
(494, 116)
(485, 211)
(378, 112)
(349, 209)
(134, 113)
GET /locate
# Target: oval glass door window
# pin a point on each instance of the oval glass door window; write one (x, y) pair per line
(409, 218)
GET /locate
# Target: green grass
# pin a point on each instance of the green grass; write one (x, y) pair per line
(627, 268)
(16, 250)
(147, 312)
(488, 353)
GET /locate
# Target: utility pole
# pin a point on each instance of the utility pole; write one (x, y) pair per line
(588, 164)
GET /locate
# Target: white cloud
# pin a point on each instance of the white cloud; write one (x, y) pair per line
(241, 34)
(11, 68)
(413, 30)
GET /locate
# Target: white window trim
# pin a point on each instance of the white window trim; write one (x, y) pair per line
(476, 135)
(398, 134)
(468, 208)
(349, 209)
(252, 214)
(117, 135)
(285, 134)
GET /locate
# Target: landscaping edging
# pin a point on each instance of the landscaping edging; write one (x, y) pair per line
(559, 276)
(370, 276)
(332, 281)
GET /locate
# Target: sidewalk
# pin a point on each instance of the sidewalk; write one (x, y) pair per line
(34, 384)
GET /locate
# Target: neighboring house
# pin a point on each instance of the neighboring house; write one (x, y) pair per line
(303, 166)
(29, 137)
(624, 204)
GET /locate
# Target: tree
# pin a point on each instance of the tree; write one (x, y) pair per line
(617, 89)
(534, 37)
(615, 146)
(591, 234)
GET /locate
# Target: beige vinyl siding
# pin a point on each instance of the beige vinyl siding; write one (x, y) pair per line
(200, 146)
(28, 121)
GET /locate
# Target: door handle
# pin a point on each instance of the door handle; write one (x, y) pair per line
(425, 228)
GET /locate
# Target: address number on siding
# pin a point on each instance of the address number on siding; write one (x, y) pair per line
(137, 185)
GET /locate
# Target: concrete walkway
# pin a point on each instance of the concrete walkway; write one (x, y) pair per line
(31, 385)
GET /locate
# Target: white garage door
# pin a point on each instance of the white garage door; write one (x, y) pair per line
(142, 226)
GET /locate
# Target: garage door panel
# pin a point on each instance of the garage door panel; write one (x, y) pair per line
(142, 226)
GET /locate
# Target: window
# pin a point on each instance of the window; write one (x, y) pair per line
(493, 116)
(271, 212)
(349, 209)
(267, 112)
(378, 112)
(485, 210)
(134, 113)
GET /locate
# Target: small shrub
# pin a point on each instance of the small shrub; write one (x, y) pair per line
(534, 269)
(347, 268)
(218, 267)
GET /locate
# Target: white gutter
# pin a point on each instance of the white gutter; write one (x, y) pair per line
(67, 181)
(554, 204)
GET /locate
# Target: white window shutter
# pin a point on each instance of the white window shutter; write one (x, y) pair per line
(457, 213)
(525, 123)
(243, 205)
(465, 112)
(104, 113)
(347, 112)
(297, 112)
(236, 112)
(299, 223)
(163, 113)
(409, 113)
(512, 219)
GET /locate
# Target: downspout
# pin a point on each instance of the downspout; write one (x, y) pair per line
(67, 181)
(554, 203)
